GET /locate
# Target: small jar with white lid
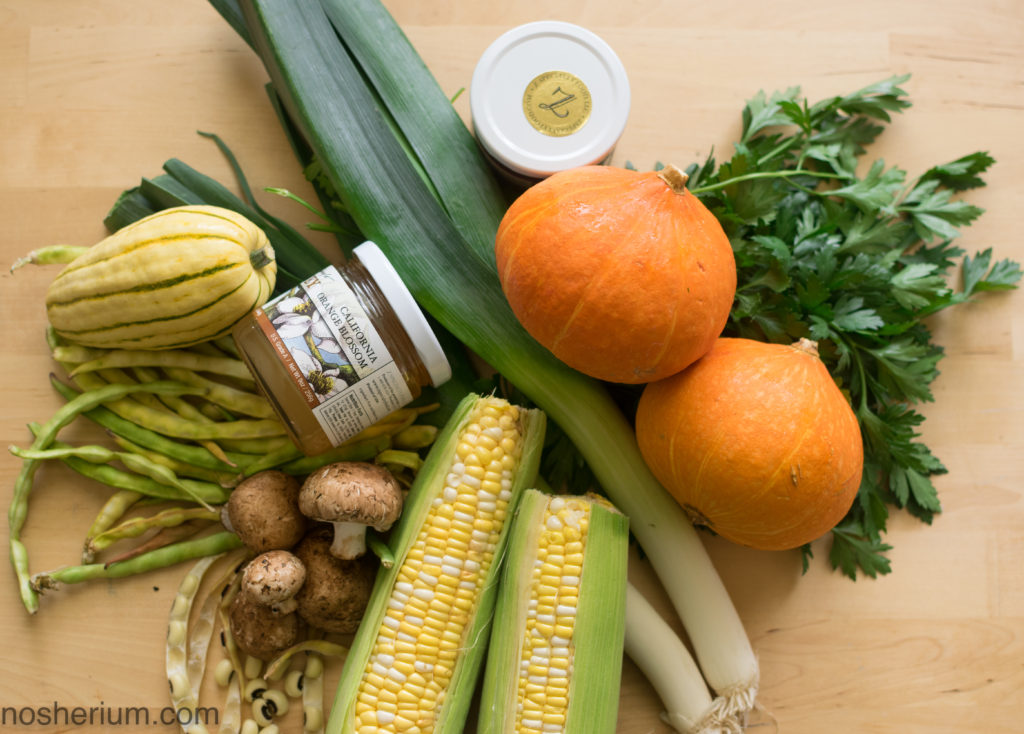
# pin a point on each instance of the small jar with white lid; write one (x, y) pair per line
(341, 350)
(548, 96)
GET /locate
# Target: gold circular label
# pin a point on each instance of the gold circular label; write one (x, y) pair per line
(556, 103)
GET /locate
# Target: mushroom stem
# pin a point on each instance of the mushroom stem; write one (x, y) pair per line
(349, 540)
(287, 606)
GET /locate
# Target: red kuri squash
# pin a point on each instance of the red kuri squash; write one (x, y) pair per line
(625, 276)
(755, 441)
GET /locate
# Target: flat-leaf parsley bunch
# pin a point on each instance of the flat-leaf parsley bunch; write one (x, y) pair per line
(855, 262)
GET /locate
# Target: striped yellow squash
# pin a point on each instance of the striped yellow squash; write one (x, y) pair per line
(174, 278)
(415, 658)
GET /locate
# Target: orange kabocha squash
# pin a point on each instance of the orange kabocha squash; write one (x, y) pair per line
(755, 441)
(623, 275)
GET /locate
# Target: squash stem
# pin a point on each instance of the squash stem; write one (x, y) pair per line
(262, 257)
(675, 178)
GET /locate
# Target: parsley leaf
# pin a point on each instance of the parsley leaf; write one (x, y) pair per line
(978, 276)
(963, 173)
(853, 550)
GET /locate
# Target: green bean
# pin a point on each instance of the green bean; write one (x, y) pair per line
(113, 510)
(118, 479)
(113, 477)
(363, 450)
(208, 349)
(208, 411)
(185, 409)
(181, 468)
(18, 510)
(407, 459)
(173, 425)
(116, 376)
(226, 366)
(242, 460)
(177, 427)
(390, 424)
(417, 436)
(51, 255)
(136, 526)
(231, 398)
(19, 559)
(227, 345)
(380, 548)
(274, 459)
(175, 404)
(75, 354)
(256, 446)
(186, 550)
(161, 539)
(216, 413)
(103, 416)
(95, 454)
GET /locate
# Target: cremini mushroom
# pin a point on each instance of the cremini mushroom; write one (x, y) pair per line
(258, 630)
(352, 496)
(336, 592)
(263, 511)
(273, 579)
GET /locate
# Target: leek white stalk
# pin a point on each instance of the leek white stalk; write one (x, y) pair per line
(666, 662)
(666, 535)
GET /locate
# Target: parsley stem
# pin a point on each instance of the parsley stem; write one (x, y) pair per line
(857, 363)
(764, 174)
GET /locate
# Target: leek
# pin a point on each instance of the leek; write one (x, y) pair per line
(326, 96)
(668, 666)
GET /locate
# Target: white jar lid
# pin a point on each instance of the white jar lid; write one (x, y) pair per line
(547, 96)
(407, 310)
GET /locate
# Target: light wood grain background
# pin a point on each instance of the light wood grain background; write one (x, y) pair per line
(95, 95)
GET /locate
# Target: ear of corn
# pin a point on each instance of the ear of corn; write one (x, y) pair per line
(414, 661)
(555, 657)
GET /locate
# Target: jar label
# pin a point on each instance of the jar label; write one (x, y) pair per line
(334, 354)
(557, 103)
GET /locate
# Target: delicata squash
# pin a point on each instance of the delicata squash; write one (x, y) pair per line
(178, 277)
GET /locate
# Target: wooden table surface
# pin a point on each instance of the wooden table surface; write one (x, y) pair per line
(95, 95)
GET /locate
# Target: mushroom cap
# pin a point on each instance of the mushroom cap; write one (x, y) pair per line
(263, 511)
(336, 592)
(273, 577)
(258, 631)
(352, 491)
